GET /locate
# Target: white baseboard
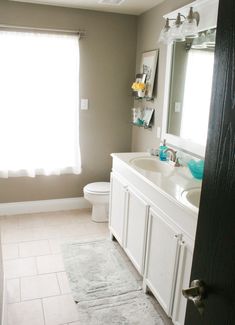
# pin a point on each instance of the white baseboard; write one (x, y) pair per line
(43, 206)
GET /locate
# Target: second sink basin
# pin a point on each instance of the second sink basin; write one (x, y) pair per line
(152, 164)
(192, 197)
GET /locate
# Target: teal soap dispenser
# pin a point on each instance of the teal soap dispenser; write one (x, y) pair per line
(162, 151)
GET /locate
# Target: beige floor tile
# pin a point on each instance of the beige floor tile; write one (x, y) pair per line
(39, 286)
(31, 220)
(63, 283)
(13, 290)
(55, 245)
(81, 212)
(10, 251)
(59, 218)
(31, 234)
(50, 263)
(54, 218)
(73, 230)
(60, 310)
(82, 216)
(26, 313)
(20, 267)
(9, 222)
(10, 235)
(53, 231)
(97, 228)
(34, 248)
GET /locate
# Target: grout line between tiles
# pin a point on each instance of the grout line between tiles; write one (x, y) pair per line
(20, 289)
(58, 282)
(32, 299)
(43, 312)
(18, 250)
(34, 275)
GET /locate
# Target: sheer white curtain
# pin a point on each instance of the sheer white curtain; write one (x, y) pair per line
(39, 104)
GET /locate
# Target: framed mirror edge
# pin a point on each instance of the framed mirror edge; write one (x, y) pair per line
(208, 12)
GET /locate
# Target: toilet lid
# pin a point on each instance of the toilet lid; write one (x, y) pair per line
(98, 187)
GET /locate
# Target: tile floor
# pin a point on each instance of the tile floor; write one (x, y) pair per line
(38, 292)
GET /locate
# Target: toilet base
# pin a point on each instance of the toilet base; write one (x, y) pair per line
(100, 213)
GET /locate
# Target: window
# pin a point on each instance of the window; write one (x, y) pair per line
(39, 104)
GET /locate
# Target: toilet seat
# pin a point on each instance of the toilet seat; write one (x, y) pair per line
(98, 188)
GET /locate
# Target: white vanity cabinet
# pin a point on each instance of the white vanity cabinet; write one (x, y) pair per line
(168, 264)
(156, 231)
(182, 280)
(162, 259)
(117, 212)
(129, 211)
(136, 229)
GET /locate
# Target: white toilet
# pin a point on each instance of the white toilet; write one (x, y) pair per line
(98, 195)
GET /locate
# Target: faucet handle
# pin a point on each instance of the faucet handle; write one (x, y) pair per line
(154, 152)
(177, 163)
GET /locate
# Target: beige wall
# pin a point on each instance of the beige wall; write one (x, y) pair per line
(149, 27)
(108, 56)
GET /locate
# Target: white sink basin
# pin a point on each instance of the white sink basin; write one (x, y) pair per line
(192, 197)
(152, 164)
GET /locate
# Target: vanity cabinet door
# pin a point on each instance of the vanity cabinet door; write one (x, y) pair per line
(136, 230)
(117, 209)
(182, 281)
(162, 259)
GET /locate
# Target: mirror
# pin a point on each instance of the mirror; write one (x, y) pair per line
(188, 82)
(190, 87)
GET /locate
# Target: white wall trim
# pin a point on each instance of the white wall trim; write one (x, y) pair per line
(43, 206)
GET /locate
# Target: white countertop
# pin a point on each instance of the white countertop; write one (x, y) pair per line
(173, 184)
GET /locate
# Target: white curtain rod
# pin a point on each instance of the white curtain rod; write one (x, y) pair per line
(80, 33)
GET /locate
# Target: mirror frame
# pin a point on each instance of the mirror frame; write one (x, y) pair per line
(208, 10)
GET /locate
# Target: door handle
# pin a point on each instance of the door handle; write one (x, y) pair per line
(196, 293)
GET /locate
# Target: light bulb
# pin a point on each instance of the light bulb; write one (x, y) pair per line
(165, 33)
(176, 30)
(189, 26)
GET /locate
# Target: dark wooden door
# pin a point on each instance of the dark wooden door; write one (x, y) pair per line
(214, 255)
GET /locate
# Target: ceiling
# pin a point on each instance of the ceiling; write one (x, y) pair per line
(134, 7)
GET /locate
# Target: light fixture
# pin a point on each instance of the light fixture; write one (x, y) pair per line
(176, 30)
(190, 25)
(180, 29)
(165, 33)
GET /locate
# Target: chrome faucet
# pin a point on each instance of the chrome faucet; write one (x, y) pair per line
(173, 156)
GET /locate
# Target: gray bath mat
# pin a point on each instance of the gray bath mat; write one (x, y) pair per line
(134, 308)
(97, 270)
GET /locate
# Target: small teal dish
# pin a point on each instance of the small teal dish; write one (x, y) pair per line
(139, 122)
(196, 168)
